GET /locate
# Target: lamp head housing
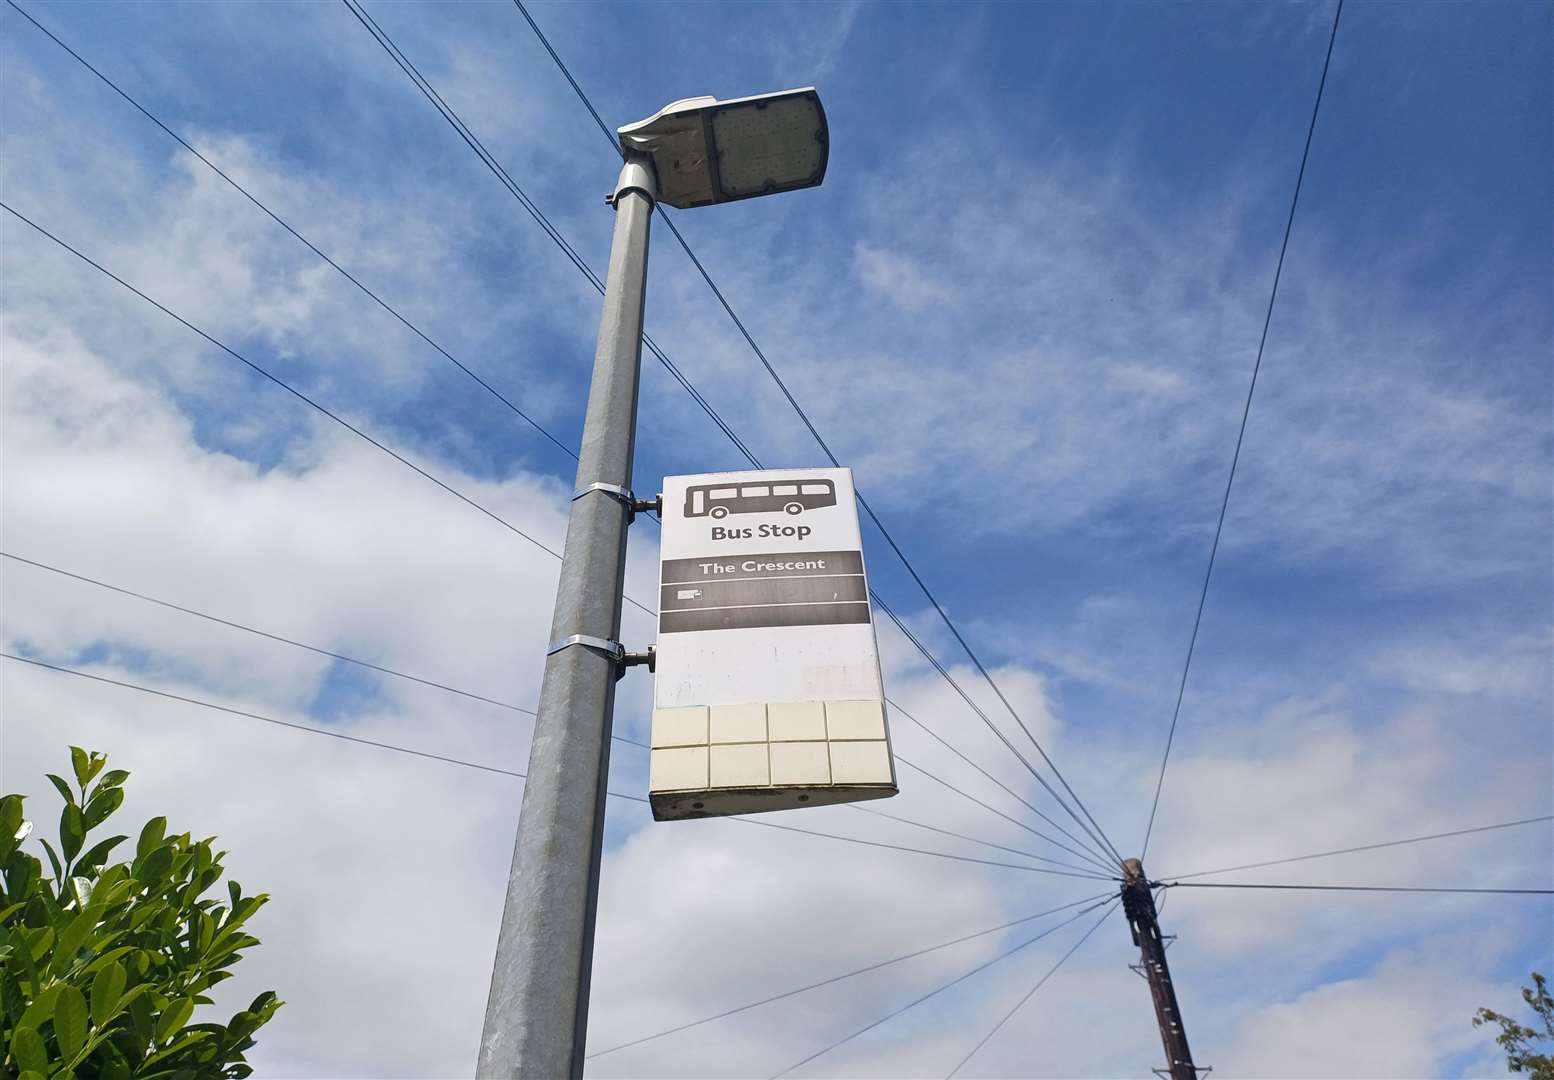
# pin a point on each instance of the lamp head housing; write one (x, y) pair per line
(710, 151)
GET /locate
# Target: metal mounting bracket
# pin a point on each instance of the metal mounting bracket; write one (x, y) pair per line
(613, 650)
(624, 496)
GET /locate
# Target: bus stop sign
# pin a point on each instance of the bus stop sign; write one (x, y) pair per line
(768, 692)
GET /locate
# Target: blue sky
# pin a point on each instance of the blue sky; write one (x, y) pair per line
(1023, 307)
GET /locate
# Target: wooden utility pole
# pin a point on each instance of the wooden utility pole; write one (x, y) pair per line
(1138, 904)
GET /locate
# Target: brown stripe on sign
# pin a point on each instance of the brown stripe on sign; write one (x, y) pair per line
(746, 618)
(752, 592)
(781, 564)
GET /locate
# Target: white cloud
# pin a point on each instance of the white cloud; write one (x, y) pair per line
(1098, 349)
(899, 280)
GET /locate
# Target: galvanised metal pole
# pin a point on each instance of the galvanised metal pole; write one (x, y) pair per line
(537, 1012)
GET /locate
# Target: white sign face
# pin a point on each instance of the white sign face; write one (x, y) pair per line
(768, 690)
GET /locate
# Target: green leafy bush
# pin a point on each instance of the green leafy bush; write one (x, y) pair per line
(103, 963)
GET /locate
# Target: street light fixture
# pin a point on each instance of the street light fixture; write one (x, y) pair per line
(710, 151)
(691, 153)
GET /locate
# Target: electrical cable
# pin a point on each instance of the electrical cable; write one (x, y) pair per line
(862, 502)
(918, 851)
(1053, 970)
(1349, 888)
(1246, 412)
(505, 178)
(1092, 863)
(879, 602)
(1081, 853)
(1085, 871)
(283, 224)
(941, 989)
(1362, 847)
(353, 429)
(479, 697)
(839, 978)
(124, 684)
(273, 637)
(470, 139)
(258, 716)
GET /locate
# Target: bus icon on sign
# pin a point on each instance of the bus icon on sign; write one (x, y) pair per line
(793, 497)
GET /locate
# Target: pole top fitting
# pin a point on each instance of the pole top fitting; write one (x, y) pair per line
(1132, 870)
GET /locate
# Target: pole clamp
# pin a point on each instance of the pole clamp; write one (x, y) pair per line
(613, 650)
(624, 496)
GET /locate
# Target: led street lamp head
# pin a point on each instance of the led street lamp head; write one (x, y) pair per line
(710, 151)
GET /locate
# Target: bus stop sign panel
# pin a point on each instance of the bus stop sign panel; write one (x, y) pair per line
(768, 692)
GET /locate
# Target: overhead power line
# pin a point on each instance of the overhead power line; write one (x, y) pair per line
(920, 851)
(1080, 870)
(462, 763)
(470, 139)
(535, 424)
(1246, 411)
(273, 637)
(846, 975)
(1053, 970)
(516, 708)
(298, 394)
(1094, 843)
(1349, 888)
(1080, 852)
(1091, 862)
(1362, 847)
(826, 449)
(377, 299)
(262, 718)
(942, 988)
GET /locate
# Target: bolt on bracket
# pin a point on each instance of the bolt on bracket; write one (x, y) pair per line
(612, 650)
(624, 496)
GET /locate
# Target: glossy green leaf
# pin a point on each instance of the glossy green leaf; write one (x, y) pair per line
(31, 1074)
(62, 787)
(11, 825)
(80, 890)
(142, 1012)
(101, 805)
(107, 990)
(12, 1002)
(80, 761)
(98, 853)
(70, 1021)
(40, 942)
(41, 1009)
(173, 1018)
(182, 1044)
(73, 936)
(156, 865)
(72, 831)
(151, 836)
(112, 778)
(54, 860)
(28, 1050)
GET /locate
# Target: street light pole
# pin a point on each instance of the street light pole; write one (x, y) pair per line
(693, 152)
(537, 1012)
